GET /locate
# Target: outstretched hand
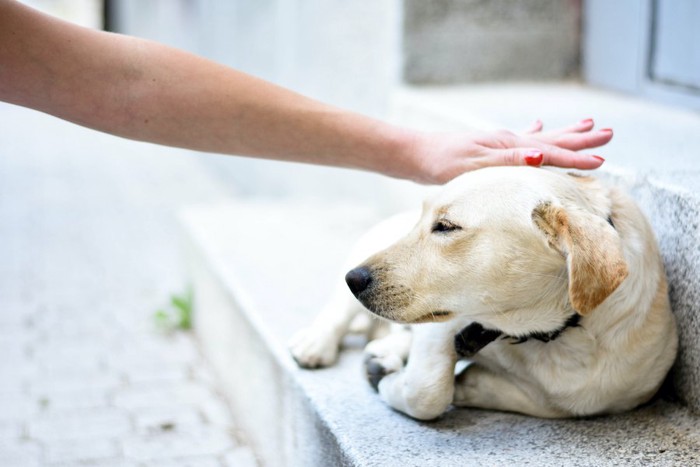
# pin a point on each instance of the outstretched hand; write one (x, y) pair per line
(445, 156)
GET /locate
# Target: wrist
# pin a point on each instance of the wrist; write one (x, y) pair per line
(403, 154)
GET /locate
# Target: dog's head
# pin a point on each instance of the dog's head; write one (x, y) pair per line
(514, 248)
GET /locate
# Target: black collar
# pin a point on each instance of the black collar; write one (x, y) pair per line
(475, 337)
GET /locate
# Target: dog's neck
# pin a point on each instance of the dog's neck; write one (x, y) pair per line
(475, 337)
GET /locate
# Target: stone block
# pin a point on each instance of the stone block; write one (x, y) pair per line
(167, 446)
(197, 461)
(73, 452)
(80, 425)
(156, 394)
(153, 420)
(240, 457)
(459, 41)
(20, 454)
(59, 401)
(41, 385)
(10, 431)
(17, 406)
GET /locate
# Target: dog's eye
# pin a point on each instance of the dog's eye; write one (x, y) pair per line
(444, 226)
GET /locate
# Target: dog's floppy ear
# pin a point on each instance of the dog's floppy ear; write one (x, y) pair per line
(592, 249)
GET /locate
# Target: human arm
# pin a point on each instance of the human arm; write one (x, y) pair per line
(146, 91)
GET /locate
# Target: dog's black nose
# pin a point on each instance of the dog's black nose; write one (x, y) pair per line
(358, 280)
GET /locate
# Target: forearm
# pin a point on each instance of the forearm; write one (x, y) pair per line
(187, 101)
(146, 91)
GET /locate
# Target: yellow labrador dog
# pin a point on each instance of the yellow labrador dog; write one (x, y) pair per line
(551, 284)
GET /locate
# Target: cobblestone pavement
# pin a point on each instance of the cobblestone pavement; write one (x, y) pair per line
(88, 252)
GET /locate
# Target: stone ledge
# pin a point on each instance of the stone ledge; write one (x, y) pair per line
(262, 271)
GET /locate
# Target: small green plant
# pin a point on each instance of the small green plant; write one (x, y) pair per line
(44, 402)
(178, 314)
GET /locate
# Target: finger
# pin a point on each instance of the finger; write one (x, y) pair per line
(559, 157)
(536, 127)
(580, 127)
(586, 124)
(551, 155)
(578, 141)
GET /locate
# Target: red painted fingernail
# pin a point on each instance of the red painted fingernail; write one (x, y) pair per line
(534, 158)
(586, 121)
(599, 158)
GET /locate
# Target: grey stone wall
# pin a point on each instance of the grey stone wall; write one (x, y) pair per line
(457, 41)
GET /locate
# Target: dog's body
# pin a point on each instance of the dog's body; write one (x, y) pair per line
(566, 267)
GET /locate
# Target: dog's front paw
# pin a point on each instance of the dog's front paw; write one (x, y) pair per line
(312, 348)
(377, 367)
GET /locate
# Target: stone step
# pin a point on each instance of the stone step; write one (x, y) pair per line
(261, 271)
(654, 155)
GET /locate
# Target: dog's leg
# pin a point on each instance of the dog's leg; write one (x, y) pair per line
(482, 388)
(396, 342)
(424, 388)
(387, 354)
(318, 345)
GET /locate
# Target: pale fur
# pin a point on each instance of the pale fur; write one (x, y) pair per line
(508, 270)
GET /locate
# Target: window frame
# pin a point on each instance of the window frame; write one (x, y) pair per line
(630, 48)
